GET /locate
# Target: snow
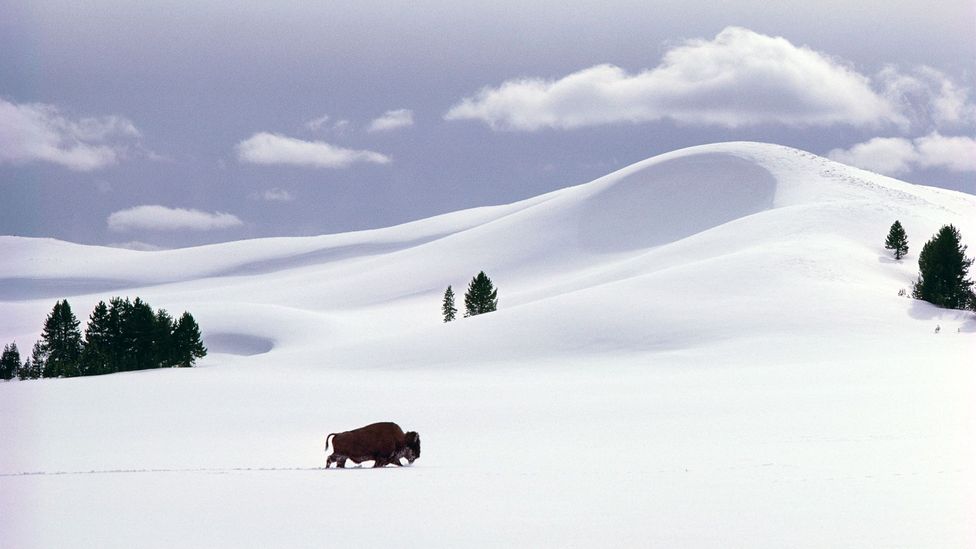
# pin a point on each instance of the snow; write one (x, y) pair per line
(704, 349)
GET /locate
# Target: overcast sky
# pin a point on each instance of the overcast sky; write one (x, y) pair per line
(163, 124)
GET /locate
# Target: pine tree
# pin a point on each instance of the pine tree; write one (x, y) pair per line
(9, 361)
(897, 240)
(24, 372)
(34, 367)
(447, 308)
(118, 311)
(163, 356)
(481, 296)
(96, 355)
(140, 327)
(187, 344)
(942, 270)
(62, 342)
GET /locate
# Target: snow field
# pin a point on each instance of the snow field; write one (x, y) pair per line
(705, 349)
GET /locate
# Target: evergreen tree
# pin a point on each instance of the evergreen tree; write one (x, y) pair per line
(141, 326)
(447, 307)
(897, 240)
(942, 270)
(163, 356)
(62, 342)
(118, 311)
(9, 361)
(34, 367)
(481, 296)
(96, 355)
(187, 344)
(25, 369)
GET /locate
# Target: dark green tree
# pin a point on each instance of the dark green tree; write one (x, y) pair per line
(137, 328)
(942, 270)
(96, 354)
(163, 346)
(897, 240)
(61, 340)
(447, 307)
(9, 361)
(25, 369)
(481, 297)
(187, 343)
(118, 311)
(34, 367)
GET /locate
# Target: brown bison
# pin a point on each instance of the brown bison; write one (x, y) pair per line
(383, 443)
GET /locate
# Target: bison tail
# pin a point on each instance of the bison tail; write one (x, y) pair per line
(327, 441)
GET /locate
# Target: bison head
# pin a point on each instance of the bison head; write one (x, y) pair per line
(412, 441)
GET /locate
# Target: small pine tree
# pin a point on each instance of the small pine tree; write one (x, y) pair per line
(36, 362)
(447, 308)
(481, 297)
(9, 361)
(187, 343)
(897, 240)
(62, 342)
(942, 270)
(25, 369)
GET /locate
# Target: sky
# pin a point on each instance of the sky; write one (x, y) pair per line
(161, 124)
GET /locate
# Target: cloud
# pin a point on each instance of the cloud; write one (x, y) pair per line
(321, 124)
(927, 97)
(270, 148)
(740, 78)
(897, 155)
(161, 218)
(273, 195)
(392, 120)
(137, 246)
(37, 132)
(316, 124)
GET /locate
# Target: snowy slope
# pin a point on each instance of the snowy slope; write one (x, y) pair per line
(704, 349)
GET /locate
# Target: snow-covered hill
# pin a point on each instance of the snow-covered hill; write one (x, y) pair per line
(704, 349)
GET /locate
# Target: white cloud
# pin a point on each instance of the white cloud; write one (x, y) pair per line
(316, 124)
(161, 218)
(37, 132)
(270, 148)
(887, 155)
(739, 78)
(392, 120)
(137, 246)
(276, 194)
(956, 154)
(927, 97)
(897, 155)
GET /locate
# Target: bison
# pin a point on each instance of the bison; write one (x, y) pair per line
(384, 443)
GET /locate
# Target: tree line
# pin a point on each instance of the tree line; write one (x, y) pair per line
(943, 267)
(121, 336)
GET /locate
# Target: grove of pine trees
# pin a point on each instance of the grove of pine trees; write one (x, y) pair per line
(121, 336)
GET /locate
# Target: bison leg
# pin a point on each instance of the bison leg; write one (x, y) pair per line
(341, 462)
(329, 461)
(380, 462)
